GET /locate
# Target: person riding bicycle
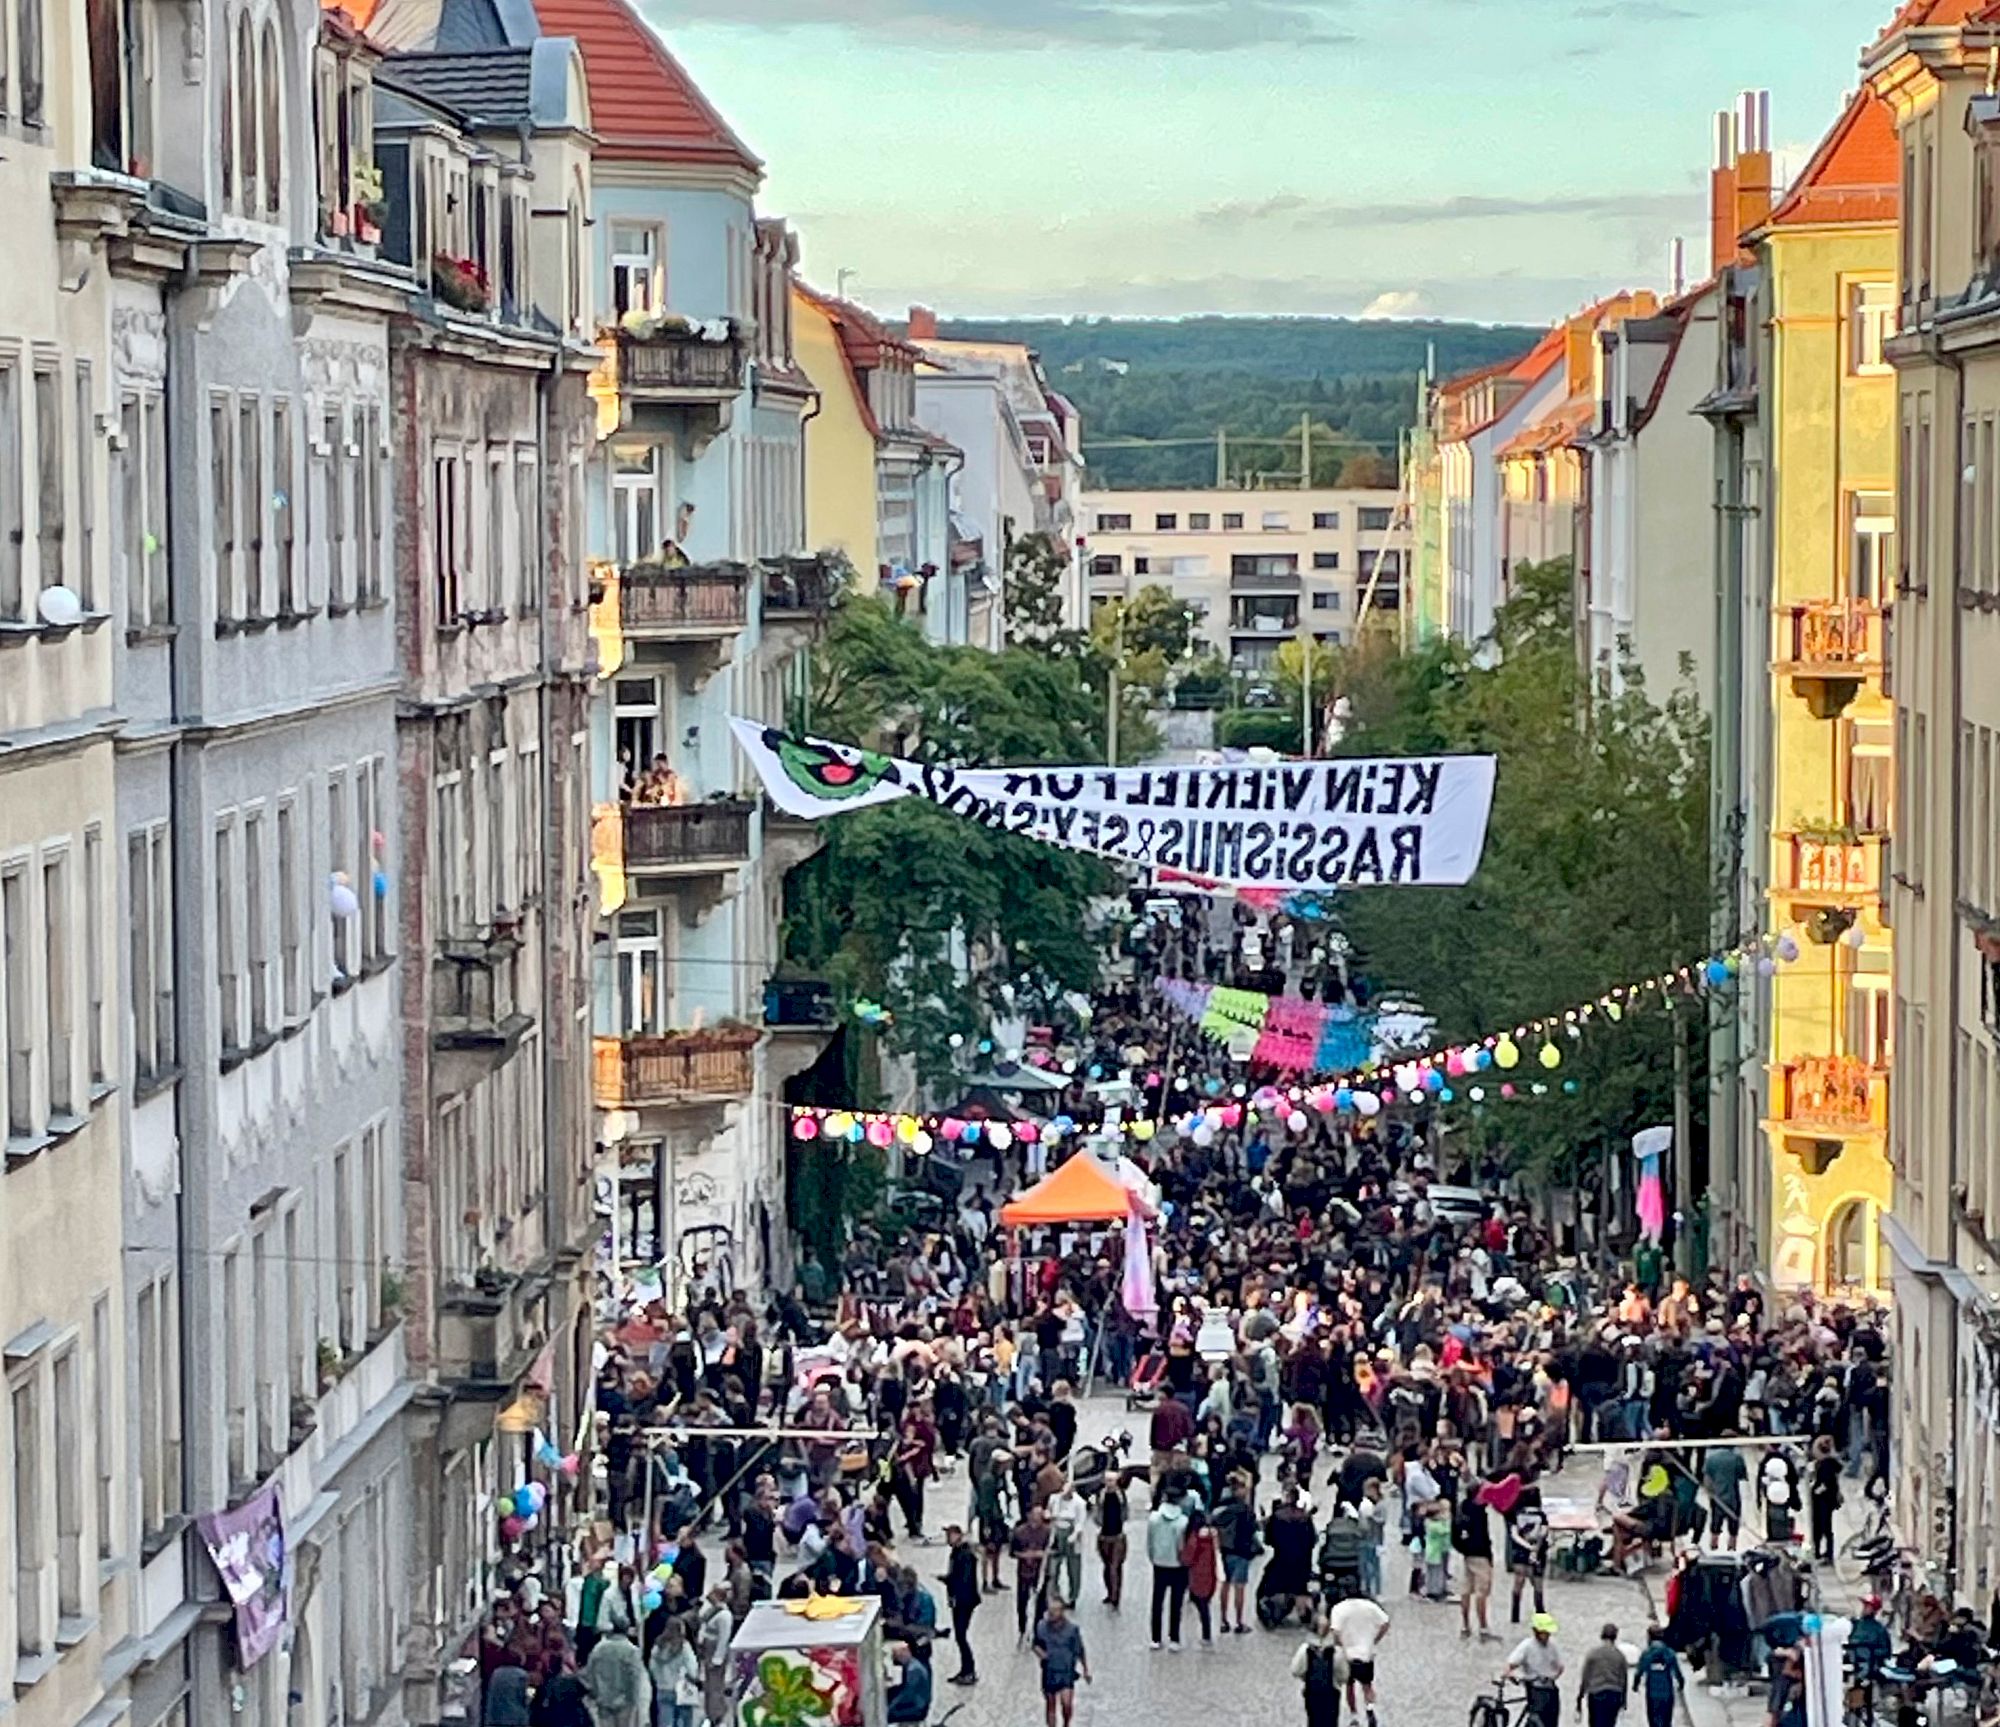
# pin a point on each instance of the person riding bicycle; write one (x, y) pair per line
(1538, 1664)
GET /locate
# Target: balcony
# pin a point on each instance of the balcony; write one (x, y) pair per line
(678, 376)
(476, 1017)
(678, 1070)
(687, 839)
(686, 602)
(801, 590)
(1830, 1098)
(1830, 872)
(1829, 649)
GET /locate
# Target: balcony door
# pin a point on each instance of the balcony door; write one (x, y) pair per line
(639, 714)
(635, 268)
(635, 502)
(1871, 546)
(642, 974)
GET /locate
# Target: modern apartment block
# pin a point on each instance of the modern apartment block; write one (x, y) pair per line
(1256, 568)
(708, 602)
(1932, 70)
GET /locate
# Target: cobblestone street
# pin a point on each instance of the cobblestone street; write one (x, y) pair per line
(1427, 1676)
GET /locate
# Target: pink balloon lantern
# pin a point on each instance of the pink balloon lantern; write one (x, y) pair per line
(1323, 1102)
(880, 1133)
(805, 1128)
(1506, 1091)
(1027, 1132)
(1454, 1063)
(570, 1465)
(511, 1527)
(1232, 1114)
(951, 1127)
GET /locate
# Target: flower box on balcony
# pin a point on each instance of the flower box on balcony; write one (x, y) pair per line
(460, 283)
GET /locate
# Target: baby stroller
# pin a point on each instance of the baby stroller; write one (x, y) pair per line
(1143, 1391)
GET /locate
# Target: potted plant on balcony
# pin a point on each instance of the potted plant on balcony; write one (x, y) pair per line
(460, 283)
(648, 326)
(370, 206)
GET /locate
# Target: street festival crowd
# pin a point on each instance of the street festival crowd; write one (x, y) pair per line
(1351, 1394)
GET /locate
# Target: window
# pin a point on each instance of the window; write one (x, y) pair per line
(291, 942)
(93, 954)
(56, 984)
(1277, 564)
(141, 486)
(527, 530)
(1373, 520)
(18, 1004)
(499, 506)
(635, 502)
(363, 864)
(222, 504)
(1871, 310)
(250, 453)
(228, 939)
(33, 1634)
(447, 546)
(236, 1369)
(71, 1556)
(635, 268)
(1326, 602)
(283, 532)
(448, 838)
(33, 88)
(156, 1336)
(1871, 546)
(1107, 564)
(376, 905)
(1326, 560)
(1197, 519)
(641, 969)
(1142, 565)
(49, 453)
(1276, 521)
(636, 722)
(12, 506)
(86, 488)
(346, 1278)
(274, 122)
(1166, 523)
(1232, 519)
(256, 947)
(103, 1409)
(1325, 520)
(149, 871)
(336, 827)
(1114, 523)
(368, 503)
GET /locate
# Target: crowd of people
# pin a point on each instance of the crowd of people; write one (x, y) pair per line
(1351, 1389)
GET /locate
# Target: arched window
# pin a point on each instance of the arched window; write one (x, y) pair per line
(1847, 1245)
(274, 121)
(246, 115)
(227, 154)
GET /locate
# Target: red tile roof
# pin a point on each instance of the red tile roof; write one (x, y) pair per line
(1855, 175)
(643, 105)
(1551, 432)
(1915, 14)
(1478, 375)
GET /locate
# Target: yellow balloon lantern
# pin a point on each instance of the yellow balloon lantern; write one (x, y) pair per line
(1142, 1130)
(1551, 1056)
(1507, 1053)
(906, 1130)
(838, 1124)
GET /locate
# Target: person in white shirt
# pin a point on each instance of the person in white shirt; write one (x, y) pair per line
(1068, 1515)
(1539, 1665)
(1360, 1625)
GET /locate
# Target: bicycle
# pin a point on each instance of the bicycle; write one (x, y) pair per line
(1492, 1711)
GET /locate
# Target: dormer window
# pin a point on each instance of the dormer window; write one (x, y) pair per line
(351, 196)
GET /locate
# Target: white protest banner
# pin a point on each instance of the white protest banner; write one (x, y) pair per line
(1419, 822)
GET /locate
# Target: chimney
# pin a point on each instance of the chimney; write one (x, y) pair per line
(1753, 162)
(1579, 353)
(923, 324)
(1722, 195)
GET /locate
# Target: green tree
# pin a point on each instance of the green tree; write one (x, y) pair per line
(924, 911)
(1037, 568)
(1596, 871)
(1154, 620)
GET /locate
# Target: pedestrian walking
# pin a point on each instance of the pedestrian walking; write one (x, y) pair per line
(1321, 1668)
(1113, 1513)
(1823, 1498)
(676, 1674)
(1601, 1685)
(1059, 1645)
(962, 1595)
(1067, 1516)
(1030, 1546)
(1359, 1625)
(715, 1625)
(1236, 1539)
(1538, 1664)
(1723, 1472)
(1472, 1536)
(1166, 1529)
(1658, 1678)
(621, 1690)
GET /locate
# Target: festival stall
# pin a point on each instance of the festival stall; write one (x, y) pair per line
(815, 1660)
(1083, 1190)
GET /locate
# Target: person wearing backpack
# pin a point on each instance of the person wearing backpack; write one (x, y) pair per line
(1321, 1668)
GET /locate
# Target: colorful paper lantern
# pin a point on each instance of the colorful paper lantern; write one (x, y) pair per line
(804, 1127)
(1551, 1056)
(1507, 1053)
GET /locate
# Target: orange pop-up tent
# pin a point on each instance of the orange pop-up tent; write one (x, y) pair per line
(1081, 1191)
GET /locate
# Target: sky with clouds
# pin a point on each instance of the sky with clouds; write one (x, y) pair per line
(1499, 160)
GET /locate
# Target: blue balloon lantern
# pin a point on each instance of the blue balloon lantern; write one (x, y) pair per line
(1433, 1080)
(969, 1134)
(1343, 1097)
(1447, 1095)
(1717, 972)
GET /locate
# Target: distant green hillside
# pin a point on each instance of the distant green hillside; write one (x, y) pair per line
(1169, 384)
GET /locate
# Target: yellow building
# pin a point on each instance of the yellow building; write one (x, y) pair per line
(1827, 256)
(840, 441)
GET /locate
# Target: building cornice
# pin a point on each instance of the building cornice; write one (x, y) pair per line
(199, 731)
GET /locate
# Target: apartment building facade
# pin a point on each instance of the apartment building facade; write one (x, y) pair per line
(1931, 68)
(697, 519)
(1255, 568)
(69, 1554)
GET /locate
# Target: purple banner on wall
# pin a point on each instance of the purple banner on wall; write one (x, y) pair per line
(247, 1544)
